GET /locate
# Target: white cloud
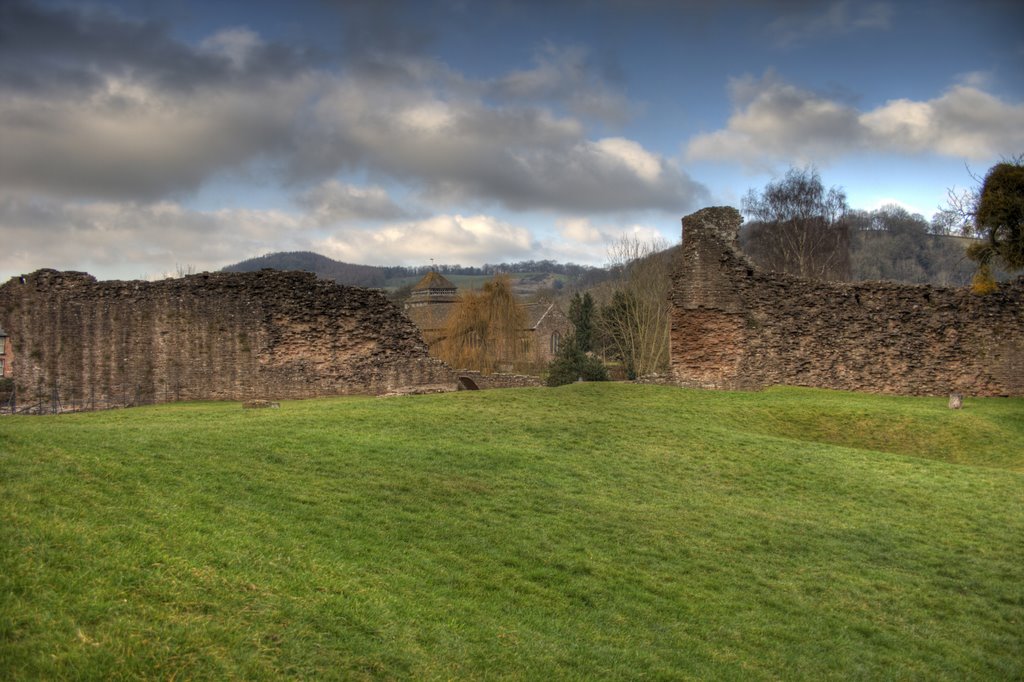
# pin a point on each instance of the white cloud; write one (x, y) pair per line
(963, 122)
(631, 155)
(446, 238)
(580, 231)
(129, 240)
(775, 122)
(580, 240)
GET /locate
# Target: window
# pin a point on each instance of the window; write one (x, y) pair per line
(556, 341)
(1, 368)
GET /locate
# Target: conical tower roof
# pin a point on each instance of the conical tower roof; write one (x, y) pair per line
(434, 281)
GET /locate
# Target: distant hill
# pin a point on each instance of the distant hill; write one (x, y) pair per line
(528, 276)
(326, 268)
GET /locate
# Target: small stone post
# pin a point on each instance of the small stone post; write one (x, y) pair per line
(956, 401)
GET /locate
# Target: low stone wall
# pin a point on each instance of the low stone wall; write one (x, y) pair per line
(736, 327)
(233, 336)
(473, 380)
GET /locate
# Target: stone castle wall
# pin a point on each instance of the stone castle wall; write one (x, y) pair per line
(736, 327)
(209, 336)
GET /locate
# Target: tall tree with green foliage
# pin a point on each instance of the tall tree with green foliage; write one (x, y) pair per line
(994, 212)
(1000, 218)
(581, 313)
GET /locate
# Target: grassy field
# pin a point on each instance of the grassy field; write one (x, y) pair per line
(585, 532)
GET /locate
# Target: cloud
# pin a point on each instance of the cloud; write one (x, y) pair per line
(130, 140)
(237, 44)
(130, 240)
(94, 105)
(580, 231)
(46, 49)
(774, 122)
(963, 122)
(583, 241)
(839, 18)
(153, 118)
(566, 75)
(447, 238)
(455, 147)
(332, 202)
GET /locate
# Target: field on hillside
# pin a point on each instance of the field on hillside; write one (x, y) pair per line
(595, 531)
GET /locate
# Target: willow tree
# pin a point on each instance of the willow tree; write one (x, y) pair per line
(486, 329)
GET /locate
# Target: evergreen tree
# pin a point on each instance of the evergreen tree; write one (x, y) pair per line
(572, 364)
(581, 312)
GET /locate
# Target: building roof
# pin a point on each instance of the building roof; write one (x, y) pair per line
(535, 312)
(434, 281)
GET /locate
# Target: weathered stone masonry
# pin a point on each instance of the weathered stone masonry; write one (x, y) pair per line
(209, 336)
(736, 327)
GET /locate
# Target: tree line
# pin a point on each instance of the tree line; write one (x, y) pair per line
(381, 276)
(798, 226)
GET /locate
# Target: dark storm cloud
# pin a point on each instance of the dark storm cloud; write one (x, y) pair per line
(97, 105)
(57, 49)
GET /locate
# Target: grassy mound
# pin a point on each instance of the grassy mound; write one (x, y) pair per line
(590, 531)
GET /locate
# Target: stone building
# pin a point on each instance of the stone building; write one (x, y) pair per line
(429, 304)
(737, 327)
(435, 296)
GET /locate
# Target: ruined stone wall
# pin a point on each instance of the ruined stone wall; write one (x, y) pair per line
(736, 327)
(496, 380)
(208, 336)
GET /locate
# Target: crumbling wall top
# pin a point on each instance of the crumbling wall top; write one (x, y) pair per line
(721, 223)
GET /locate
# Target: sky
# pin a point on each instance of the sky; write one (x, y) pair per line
(144, 138)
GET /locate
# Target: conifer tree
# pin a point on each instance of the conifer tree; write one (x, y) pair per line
(572, 364)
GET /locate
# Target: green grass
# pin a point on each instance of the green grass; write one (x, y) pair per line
(590, 531)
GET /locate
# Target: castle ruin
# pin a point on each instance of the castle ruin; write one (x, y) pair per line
(734, 326)
(221, 336)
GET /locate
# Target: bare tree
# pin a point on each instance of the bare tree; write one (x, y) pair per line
(634, 322)
(799, 227)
